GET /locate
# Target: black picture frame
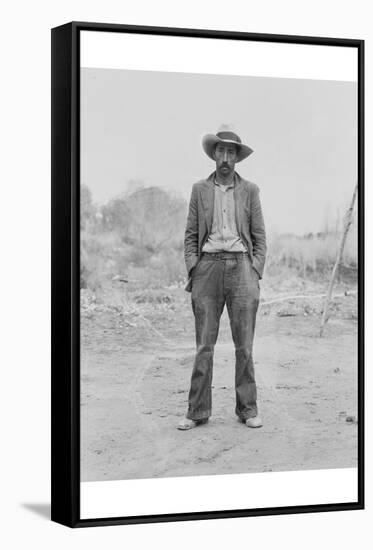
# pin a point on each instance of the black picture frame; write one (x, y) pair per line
(65, 312)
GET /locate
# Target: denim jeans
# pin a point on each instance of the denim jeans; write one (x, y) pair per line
(218, 279)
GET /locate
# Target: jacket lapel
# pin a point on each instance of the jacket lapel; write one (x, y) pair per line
(208, 196)
(240, 195)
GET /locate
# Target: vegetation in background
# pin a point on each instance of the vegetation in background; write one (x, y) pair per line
(138, 238)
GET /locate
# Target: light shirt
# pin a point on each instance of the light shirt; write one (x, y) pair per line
(224, 236)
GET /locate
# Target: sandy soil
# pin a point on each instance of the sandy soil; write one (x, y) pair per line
(135, 373)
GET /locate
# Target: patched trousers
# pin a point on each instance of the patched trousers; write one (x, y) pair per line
(218, 279)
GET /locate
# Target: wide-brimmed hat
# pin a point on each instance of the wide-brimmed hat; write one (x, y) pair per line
(209, 142)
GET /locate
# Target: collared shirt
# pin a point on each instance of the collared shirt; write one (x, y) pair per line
(224, 236)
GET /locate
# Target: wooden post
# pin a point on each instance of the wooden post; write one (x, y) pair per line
(348, 220)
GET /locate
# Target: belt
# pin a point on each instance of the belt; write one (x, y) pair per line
(224, 255)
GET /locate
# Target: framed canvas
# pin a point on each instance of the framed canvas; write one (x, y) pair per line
(207, 274)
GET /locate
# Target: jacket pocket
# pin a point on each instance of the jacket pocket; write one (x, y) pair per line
(188, 286)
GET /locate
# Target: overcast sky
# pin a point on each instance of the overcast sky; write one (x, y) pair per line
(148, 126)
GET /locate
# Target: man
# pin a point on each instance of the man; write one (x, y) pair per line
(224, 249)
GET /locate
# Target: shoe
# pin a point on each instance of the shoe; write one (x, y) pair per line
(188, 423)
(254, 422)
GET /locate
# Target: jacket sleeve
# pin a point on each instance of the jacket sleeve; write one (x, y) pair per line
(258, 235)
(191, 232)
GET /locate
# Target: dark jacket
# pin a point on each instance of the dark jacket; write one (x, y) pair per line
(249, 220)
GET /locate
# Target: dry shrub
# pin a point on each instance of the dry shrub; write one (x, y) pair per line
(313, 254)
(137, 237)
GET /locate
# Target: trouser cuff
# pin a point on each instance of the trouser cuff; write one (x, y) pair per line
(248, 414)
(198, 415)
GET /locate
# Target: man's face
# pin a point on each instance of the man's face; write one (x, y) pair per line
(226, 158)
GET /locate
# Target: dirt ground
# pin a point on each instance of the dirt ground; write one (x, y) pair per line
(136, 364)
